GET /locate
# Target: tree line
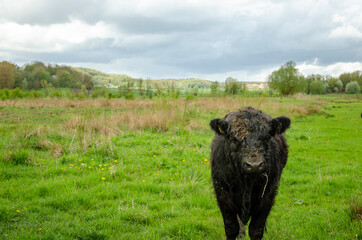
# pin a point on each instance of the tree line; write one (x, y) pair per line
(288, 80)
(38, 75)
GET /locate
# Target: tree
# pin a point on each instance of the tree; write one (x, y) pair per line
(158, 89)
(7, 75)
(353, 88)
(195, 91)
(351, 77)
(87, 81)
(19, 76)
(24, 84)
(129, 82)
(286, 80)
(317, 87)
(30, 80)
(64, 78)
(214, 87)
(345, 79)
(231, 86)
(339, 86)
(334, 85)
(140, 86)
(357, 76)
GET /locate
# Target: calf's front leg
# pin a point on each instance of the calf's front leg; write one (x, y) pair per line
(231, 224)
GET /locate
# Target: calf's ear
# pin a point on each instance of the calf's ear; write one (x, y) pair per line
(220, 126)
(279, 125)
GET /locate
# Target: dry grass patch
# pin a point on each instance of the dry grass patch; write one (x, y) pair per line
(108, 116)
(224, 105)
(356, 209)
(76, 103)
(57, 150)
(305, 110)
(158, 120)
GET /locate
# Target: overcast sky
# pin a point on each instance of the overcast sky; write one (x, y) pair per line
(208, 39)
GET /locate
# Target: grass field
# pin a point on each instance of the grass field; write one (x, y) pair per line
(139, 169)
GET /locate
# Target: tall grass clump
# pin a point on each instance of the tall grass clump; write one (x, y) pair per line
(91, 129)
(17, 157)
(355, 210)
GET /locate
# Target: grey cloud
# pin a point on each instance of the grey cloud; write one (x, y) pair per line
(138, 24)
(93, 50)
(53, 12)
(196, 40)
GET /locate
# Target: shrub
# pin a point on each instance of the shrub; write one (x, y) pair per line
(57, 93)
(36, 94)
(111, 95)
(95, 94)
(4, 94)
(129, 95)
(80, 96)
(15, 93)
(352, 88)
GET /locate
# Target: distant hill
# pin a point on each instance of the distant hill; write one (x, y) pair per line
(106, 79)
(110, 80)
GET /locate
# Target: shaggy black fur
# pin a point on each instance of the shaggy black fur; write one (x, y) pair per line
(248, 155)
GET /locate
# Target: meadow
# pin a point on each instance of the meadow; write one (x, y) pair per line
(139, 169)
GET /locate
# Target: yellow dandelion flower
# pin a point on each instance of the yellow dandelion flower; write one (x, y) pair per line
(18, 211)
(100, 165)
(183, 160)
(115, 161)
(89, 167)
(92, 159)
(171, 178)
(194, 149)
(105, 165)
(39, 229)
(143, 180)
(110, 167)
(205, 159)
(80, 160)
(177, 166)
(103, 178)
(102, 169)
(154, 155)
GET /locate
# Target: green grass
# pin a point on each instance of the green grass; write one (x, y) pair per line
(64, 175)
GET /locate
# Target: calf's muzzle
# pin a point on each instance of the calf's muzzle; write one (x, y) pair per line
(254, 166)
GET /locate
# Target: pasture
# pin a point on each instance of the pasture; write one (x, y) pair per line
(139, 169)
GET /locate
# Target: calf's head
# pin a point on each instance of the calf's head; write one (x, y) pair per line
(248, 134)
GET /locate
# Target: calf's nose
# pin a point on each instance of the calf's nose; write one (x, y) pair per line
(254, 166)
